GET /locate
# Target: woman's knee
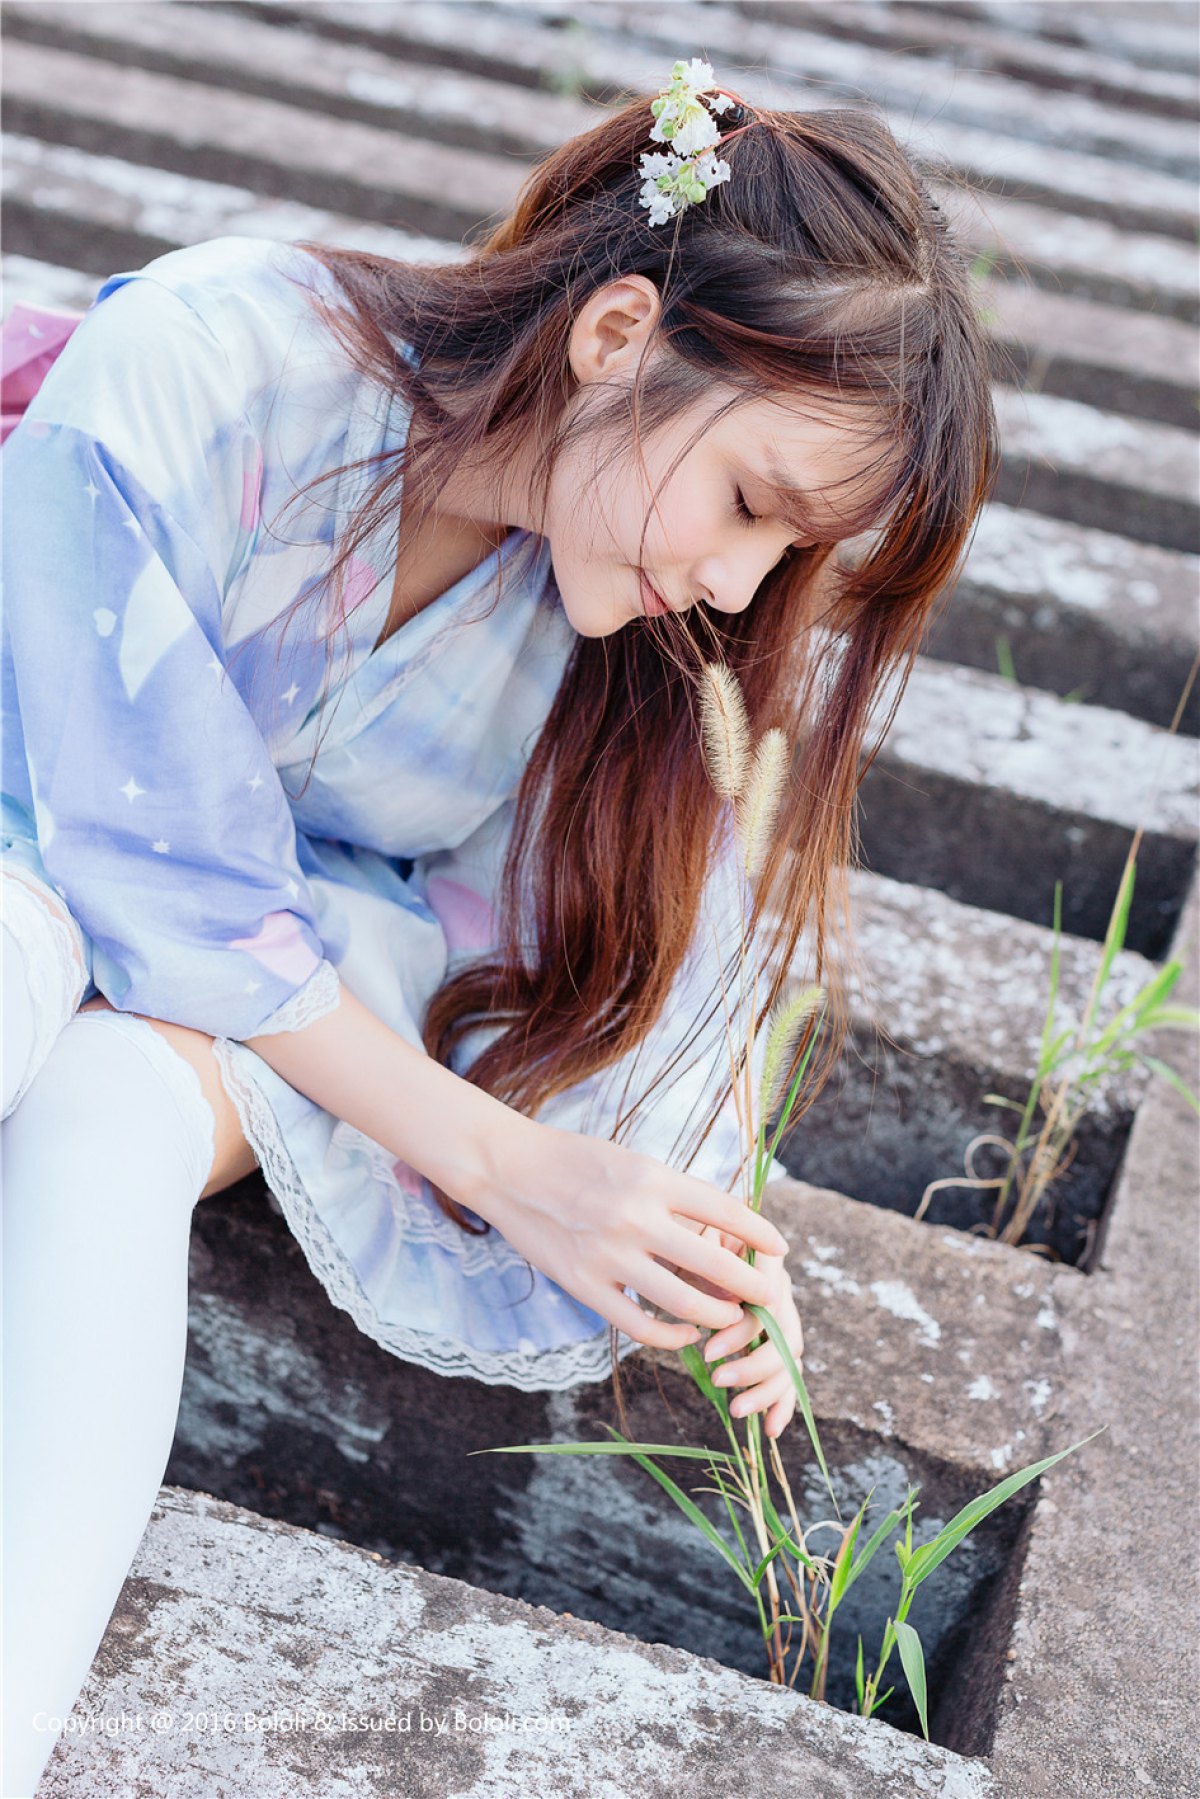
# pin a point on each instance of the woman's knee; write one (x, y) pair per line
(232, 1157)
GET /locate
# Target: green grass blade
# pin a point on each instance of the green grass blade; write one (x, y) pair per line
(702, 1373)
(621, 1448)
(1114, 939)
(1169, 1075)
(767, 1560)
(912, 1660)
(931, 1555)
(858, 1677)
(889, 1524)
(692, 1511)
(841, 1572)
(789, 1361)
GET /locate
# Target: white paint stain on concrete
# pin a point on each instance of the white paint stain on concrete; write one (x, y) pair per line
(902, 1302)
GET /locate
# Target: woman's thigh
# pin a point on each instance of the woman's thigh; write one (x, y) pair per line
(233, 1158)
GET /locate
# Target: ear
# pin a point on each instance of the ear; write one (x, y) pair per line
(612, 329)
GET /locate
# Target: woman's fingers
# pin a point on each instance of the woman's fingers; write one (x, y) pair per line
(761, 1396)
(703, 1255)
(665, 1288)
(733, 1337)
(709, 1205)
(656, 1333)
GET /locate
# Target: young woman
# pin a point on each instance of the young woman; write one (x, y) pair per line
(355, 822)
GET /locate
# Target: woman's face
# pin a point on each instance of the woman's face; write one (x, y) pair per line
(699, 545)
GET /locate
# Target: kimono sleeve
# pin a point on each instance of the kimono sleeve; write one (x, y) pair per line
(160, 817)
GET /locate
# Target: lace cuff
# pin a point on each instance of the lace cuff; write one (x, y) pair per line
(54, 959)
(320, 994)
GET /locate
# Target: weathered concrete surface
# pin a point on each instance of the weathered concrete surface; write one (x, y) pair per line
(1084, 612)
(991, 792)
(1085, 256)
(103, 213)
(1108, 357)
(529, 1701)
(1118, 474)
(623, 40)
(1102, 1695)
(942, 36)
(947, 1004)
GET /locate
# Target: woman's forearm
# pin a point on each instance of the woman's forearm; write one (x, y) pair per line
(358, 1068)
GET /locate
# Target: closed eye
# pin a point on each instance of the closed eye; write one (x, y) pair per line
(753, 518)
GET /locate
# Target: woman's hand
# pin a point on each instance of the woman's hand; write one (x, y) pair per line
(598, 1217)
(763, 1370)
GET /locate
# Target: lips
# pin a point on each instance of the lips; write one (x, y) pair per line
(653, 603)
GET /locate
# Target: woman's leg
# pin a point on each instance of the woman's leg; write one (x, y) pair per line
(43, 976)
(103, 1160)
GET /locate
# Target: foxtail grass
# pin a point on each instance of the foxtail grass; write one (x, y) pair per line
(767, 1549)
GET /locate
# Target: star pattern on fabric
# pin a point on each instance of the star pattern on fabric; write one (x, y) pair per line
(290, 693)
(255, 784)
(293, 888)
(131, 790)
(92, 491)
(252, 987)
(216, 666)
(161, 848)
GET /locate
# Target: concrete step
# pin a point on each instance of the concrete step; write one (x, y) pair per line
(1071, 461)
(945, 38)
(1073, 255)
(333, 1673)
(623, 46)
(846, 70)
(1149, 35)
(289, 1409)
(1107, 356)
(389, 177)
(953, 1008)
(1083, 612)
(101, 213)
(990, 792)
(843, 69)
(244, 52)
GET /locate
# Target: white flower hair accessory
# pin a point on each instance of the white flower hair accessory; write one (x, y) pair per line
(684, 174)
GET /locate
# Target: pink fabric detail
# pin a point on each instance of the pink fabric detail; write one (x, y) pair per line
(407, 1178)
(467, 920)
(361, 580)
(252, 492)
(31, 339)
(280, 946)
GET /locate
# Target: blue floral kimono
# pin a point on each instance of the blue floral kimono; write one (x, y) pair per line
(159, 733)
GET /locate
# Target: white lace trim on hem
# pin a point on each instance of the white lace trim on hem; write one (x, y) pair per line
(53, 958)
(320, 995)
(570, 1365)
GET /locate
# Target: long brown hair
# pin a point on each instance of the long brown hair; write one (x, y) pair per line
(820, 272)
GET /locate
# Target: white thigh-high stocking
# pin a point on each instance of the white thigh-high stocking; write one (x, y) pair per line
(102, 1162)
(44, 974)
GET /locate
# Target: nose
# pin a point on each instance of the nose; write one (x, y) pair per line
(730, 582)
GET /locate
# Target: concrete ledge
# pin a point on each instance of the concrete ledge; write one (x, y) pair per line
(227, 1612)
(1081, 610)
(990, 792)
(961, 994)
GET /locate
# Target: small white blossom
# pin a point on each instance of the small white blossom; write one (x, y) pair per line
(683, 119)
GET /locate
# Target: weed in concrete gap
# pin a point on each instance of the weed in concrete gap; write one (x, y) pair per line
(1096, 1052)
(762, 1546)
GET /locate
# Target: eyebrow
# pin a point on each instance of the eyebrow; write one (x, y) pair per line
(792, 505)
